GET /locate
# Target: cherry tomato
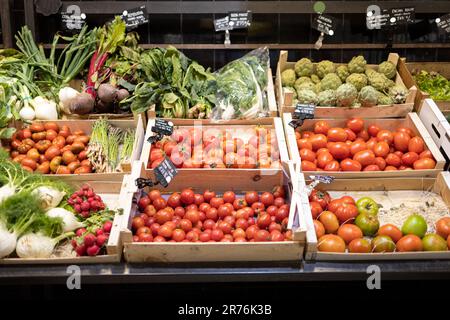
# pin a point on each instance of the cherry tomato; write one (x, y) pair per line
(393, 160)
(318, 141)
(267, 199)
(258, 207)
(212, 213)
(308, 155)
(323, 159)
(357, 146)
(381, 149)
(174, 200)
(401, 141)
(332, 166)
(349, 232)
(386, 136)
(198, 199)
(416, 145)
(304, 144)
(216, 202)
(373, 130)
(208, 195)
(229, 197)
(251, 197)
(239, 204)
(339, 150)
(187, 196)
(262, 235)
(308, 166)
(272, 210)
(355, 124)
(263, 220)
(365, 158)
(409, 158)
(321, 127)
(282, 213)
(192, 215)
(337, 135)
(424, 164)
(159, 203)
(350, 165)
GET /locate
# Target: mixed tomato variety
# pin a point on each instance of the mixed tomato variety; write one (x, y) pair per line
(345, 225)
(208, 217)
(198, 147)
(48, 148)
(357, 148)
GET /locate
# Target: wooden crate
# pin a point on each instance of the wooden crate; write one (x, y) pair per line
(183, 175)
(411, 121)
(439, 185)
(441, 67)
(216, 252)
(271, 100)
(285, 99)
(114, 196)
(86, 126)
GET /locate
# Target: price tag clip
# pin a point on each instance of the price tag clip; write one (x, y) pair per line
(161, 128)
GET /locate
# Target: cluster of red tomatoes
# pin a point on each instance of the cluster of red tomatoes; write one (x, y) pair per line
(355, 148)
(256, 147)
(195, 217)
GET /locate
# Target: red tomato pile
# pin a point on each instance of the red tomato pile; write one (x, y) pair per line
(207, 217)
(357, 148)
(48, 148)
(256, 147)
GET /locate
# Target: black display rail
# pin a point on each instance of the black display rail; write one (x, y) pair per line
(257, 7)
(215, 273)
(6, 24)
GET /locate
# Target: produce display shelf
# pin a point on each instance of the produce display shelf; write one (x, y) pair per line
(305, 272)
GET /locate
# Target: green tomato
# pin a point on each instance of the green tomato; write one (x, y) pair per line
(415, 224)
(434, 242)
(367, 205)
(368, 224)
(383, 244)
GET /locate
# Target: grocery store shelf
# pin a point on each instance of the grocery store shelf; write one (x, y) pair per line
(319, 271)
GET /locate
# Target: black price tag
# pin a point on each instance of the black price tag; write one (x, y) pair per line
(443, 23)
(324, 23)
(240, 20)
(222, 24)
(162, 126)
(323, 179)
(377, 21)
(73, 19)
(301, 113)
(165, 172)
(402, 16)
(135, 17)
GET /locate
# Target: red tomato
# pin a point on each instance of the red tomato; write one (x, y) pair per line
(391, 231)
(272, 210)
(251, 231)
(331, 243)
(193, 216)
(393, 160)
(357, 146)
(318, 141)
(401, 141)
(390, 168)
(443, 227)
(409, 243)
(381, 149)
(321, 127)
(365, 158)
(223, 211)
(156, 154)
(355, 124)
(361, 245)
(323, 159)
(304, 144)
(409, 158)
(262, 235)
(282, 213)
(350, 165)
(363, 135)
(251, 197)
(258, 207)
(373, 130)
(239, 204)
(307, 134)
(321, 197)
(159, 203)
(385, 135)
(267, 199)
(308, 166)
(229, 197)
(334, 204)
(168, 147)
(216, 202)
(408, 131)
(187, 196)
(380, 163)
(372, 167)
(351, 136)
(279, 201)
(424, 164)
(337, 135)
(308, 155)
(339, 150)
(212, 214)
(416, 145)
(371, 143)
(349, 232)
(208, 195)
(332, 166)
(263, 220)
(346, 213)
(399, 154)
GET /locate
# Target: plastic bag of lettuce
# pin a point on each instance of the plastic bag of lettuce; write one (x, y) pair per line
(242, 87)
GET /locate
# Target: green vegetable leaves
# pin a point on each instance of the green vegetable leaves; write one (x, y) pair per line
(437, 86)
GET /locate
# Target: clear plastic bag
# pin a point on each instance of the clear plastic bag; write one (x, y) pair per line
(242, 87)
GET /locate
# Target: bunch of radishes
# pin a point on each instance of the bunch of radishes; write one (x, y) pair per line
(91, 241)
(85, 201)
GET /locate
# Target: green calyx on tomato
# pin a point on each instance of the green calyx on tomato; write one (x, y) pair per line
(368, 224)
(367, 205)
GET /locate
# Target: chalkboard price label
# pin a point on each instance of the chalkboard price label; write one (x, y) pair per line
(162, 126)
(240, 20)
(73, 19)
(402, 16)
(165, 172)
(323, 179)
(325, 24)
(301, 113)
(135, 17)
(443, 23)
(222, 24)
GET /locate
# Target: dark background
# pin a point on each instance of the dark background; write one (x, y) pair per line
(283, 29)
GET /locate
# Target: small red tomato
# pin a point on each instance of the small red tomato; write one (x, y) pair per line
(332, 166)
(187, 196)
(351, 136)
(350, 165)
(267, 199)
(373, 130)
(216, 202)
(380, 162)
(308, 166)
(365, 158)
(355, 124)
(386, 136)
(321, 127)
(337, 135)
(364, 135)
(316, 209)
(381, 149)
(401, 141)
(409, 158)
(416, 145)
(424, 164)
(393, 160)
(229, 197)
(308, 155)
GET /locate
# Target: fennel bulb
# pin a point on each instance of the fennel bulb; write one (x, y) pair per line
(8, 241)
(66, 96)
(27, 113)
(36, 245)
(6, 191)
(69, 220)
(50, 197)
(44, 109)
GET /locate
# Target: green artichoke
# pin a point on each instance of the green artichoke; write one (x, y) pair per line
(327, 98)
(305, 85)
(368, 96)
(357, 65)
(315, 79)
(325, 67)
(288, 78)
(304, 67)
(307, 96)
(330, 81)
(384, 99)
(388, 69)
(346, 94)
(292, 90)
(398, 94)
(342, 72)
(359, 80)
(302, 80)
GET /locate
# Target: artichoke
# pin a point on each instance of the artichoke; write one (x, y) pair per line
(379, 81)
(359, 80)
(304, 67)
(315, 79)
(325, 67)
(368, 96)
(346, 94)
(357, 65)
(292, 90)
(398, 94)
(330, 81)
(388, 69)
(384, 99)
(288, 78)
(302, 80)
(342, 72)
(305, 85)
(307, 96)
(327, 98)
(318, 87)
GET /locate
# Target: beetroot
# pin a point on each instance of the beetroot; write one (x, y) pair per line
(83, 104)
(107, 93)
